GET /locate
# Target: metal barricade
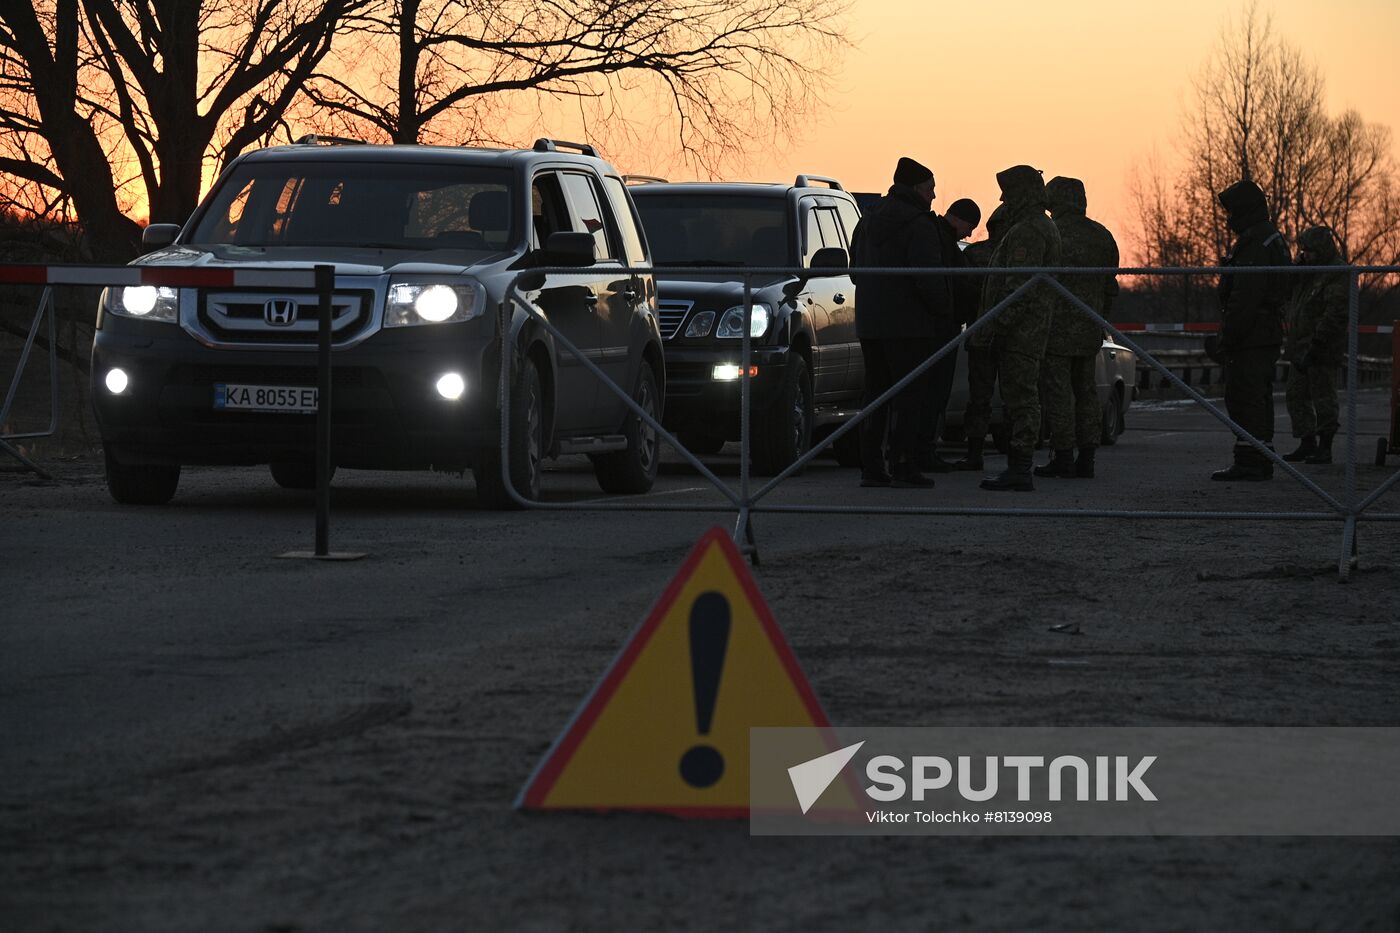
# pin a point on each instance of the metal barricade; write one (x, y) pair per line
(748, 502)
(45, 309)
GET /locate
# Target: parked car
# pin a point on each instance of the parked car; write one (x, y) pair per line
(1115, 376)
(808, 375)
(425, 241)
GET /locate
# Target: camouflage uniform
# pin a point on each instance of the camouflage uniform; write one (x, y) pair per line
(981, 361)
(1071, 353)
(1317, 323)
(1017, 336)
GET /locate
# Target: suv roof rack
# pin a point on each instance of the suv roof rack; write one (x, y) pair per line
(317, 139)
(805, 181)
(544, 144)
(643, 179)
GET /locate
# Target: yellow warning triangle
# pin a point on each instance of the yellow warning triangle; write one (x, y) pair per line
(667, 727)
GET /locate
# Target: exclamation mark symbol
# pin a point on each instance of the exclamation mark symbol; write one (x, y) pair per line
(703, 765)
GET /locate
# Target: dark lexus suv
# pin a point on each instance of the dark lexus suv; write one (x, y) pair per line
(809, 371)
(425, 242)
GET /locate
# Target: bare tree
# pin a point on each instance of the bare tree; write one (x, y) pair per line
(102, 96)
(717, 76)
(1257, 112)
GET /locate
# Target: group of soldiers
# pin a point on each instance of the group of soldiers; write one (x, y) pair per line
(1041, 344)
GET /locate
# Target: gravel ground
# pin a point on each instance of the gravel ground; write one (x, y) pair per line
(198, 736)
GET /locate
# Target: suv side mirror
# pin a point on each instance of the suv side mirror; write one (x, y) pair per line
(830, 257)
(566, 249)
(156, 236)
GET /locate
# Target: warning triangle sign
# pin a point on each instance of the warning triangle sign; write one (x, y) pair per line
(667, 727)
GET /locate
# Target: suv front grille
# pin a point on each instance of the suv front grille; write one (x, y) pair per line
(672, 314)
(259, 318)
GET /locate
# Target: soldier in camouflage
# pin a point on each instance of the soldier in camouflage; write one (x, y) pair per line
(981, 361)
(1017, 336)
(1251, 326)
(1317, 323)
(1072, 351)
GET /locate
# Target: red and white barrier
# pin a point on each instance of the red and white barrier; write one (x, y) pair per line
(172, 276)
(1209, 328)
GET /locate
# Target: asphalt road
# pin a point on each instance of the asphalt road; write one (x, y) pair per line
(197, 734)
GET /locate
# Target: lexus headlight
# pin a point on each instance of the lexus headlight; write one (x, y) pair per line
(432, 303)
(144, 302)
(731, 324)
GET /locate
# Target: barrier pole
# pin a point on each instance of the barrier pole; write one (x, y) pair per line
(325, 283)
(325, 289)
(743, 527)
(1348, 558)
(1395, 388)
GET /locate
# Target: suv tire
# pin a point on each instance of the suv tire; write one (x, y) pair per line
(634, 470)
(1112, 419)
(783, 433)
(140, 484)
(296, 474)
(526, 446)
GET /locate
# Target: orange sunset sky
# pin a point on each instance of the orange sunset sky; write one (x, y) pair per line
(1077, 87)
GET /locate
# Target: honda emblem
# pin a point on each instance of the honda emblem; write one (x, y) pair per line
(280, 312)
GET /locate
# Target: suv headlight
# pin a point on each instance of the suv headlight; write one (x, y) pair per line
(432, 303)
(143, 302)
(731, 324)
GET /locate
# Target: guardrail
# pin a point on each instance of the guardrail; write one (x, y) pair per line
(748, 501)
(1183, 352)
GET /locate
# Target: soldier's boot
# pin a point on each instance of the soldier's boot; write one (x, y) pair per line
(904, 474)
(1323, 454)
(1249, 466)
(1016, 476)
(973, 460)
(1084, 466)
(1061, 465)
(1307, 446)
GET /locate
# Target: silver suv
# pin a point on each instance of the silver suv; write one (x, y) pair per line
(425, 242)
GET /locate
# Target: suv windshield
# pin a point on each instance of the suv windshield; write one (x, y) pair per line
(702, 229)
(405, 205)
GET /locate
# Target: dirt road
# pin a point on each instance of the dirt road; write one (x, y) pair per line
(199, 736)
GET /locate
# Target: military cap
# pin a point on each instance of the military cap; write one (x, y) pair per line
(909, 172)
(966, 209)
(1020, 180)
(1243, 197)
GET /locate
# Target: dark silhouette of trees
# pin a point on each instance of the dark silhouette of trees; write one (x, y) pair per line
(714, 76)
(1257, 112)
(105, 104)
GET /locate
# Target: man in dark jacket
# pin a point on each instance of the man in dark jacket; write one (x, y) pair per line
(897, 319)
(1251, 326)
(1317, 331)
(961, 218)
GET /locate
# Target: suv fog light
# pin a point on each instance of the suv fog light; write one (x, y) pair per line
(116, 381)
(728, 372)
(451, 386)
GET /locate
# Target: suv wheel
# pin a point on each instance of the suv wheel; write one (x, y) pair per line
(140, 484)
(634, 470)
(784, 432)
(296, 474)
(526, 446)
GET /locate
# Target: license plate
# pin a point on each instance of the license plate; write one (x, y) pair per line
(293, 399)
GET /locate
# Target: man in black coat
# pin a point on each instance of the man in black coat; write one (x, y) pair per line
(898, 318)
(961, 218)
(1251, 326)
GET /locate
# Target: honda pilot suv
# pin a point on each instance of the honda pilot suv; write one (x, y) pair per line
(425, 241)
(807, 373)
